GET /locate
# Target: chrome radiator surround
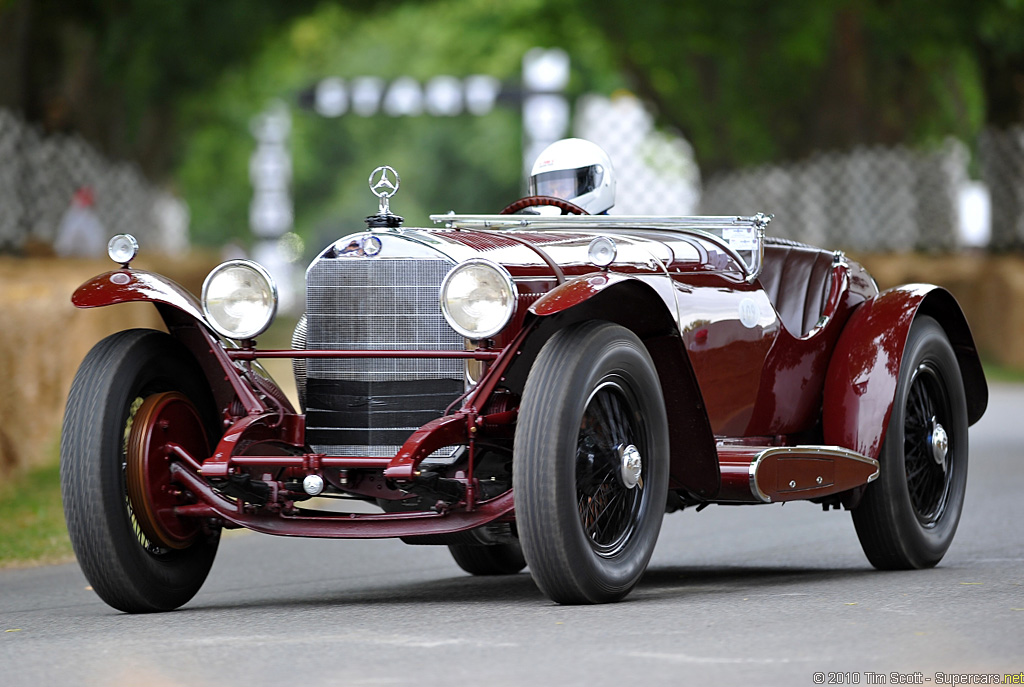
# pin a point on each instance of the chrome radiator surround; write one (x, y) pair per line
(369, 407)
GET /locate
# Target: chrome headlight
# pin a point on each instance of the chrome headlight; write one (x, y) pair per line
(239, 299)
(478, 298)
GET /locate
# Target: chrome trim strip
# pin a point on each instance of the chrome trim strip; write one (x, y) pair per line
(832, 451)
(453, 221)
(755, 489)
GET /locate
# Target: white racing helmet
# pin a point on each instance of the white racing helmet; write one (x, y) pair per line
(577, 171)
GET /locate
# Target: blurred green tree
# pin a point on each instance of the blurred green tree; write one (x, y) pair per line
(467, 163)
(749, 81)
(996, 35)
(113, 70)
(173, 85)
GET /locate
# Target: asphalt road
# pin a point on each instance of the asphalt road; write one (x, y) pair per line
(765, 595)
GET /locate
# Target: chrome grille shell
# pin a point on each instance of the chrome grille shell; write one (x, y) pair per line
(390, 300)
(386, 301)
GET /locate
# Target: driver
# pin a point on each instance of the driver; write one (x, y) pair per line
(577, 171)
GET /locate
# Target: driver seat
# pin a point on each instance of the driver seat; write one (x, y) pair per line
(796, 277)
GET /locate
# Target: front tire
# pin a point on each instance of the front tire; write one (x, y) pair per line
(590, 469)
(125, 566)
(909, 515)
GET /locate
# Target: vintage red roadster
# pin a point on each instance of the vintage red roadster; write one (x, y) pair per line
(524, 389)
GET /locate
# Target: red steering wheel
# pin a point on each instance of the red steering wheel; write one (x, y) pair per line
(566, 207)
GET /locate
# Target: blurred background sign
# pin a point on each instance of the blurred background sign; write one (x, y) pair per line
(271, 215)
(545, 108)
(270, 172)
(441, 96)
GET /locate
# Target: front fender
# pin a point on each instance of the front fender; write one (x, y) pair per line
(576, 291)
(860, 385)
(183, 315)
(126, 286)
(646, 307)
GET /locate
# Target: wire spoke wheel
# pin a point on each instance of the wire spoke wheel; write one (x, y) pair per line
(608, 505)
(152, 496)
(590, 467)
(144, 541)
(908, 516)
(136, 393)
(928, 474)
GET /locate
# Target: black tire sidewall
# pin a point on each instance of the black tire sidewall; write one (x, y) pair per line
(602, 351)
(888, 502)
(494, 559)
(125, 366)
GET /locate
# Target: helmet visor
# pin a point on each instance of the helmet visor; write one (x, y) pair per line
(567, 183)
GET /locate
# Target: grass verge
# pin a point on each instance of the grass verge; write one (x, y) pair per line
(1000, 373)
(32, 529)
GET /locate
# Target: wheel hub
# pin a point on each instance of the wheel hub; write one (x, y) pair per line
(162, 419)
(631, 465)
(939, 441)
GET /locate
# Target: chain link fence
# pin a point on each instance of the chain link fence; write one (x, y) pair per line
(655, 172)
(40, 174)
(872, 198)
(1001, 162)
(869, 199)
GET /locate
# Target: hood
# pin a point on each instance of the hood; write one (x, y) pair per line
(527, 254)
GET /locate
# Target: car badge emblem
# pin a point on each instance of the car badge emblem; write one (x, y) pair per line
(371, 245)
(384, 183)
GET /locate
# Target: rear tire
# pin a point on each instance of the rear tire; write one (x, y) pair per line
(908, 516)
(494, 559)
(590, 468)
(125, 568)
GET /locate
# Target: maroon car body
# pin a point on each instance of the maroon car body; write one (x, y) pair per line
(703, 365)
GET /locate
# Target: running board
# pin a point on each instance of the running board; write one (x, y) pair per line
(772, 474)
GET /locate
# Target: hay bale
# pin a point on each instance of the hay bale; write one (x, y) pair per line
(43, 339)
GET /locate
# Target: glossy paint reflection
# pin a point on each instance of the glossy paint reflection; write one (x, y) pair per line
(862, 380)
(727, 353)
(127, 285)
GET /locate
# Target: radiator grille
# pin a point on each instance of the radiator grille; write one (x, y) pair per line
(371, 406)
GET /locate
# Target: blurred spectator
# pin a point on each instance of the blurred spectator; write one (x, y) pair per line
(80, 233)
